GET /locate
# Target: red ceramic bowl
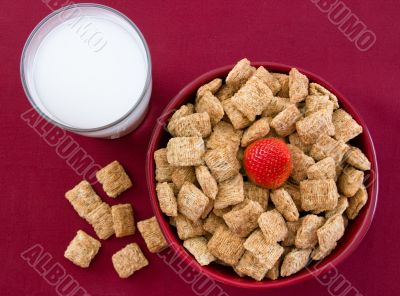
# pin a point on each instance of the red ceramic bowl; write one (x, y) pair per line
(354, 233)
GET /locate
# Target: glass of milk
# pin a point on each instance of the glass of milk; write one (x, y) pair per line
(86, 68)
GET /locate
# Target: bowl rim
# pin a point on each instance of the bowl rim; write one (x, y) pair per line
(325, 265)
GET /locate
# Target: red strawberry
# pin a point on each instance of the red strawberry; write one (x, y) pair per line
(267, 162)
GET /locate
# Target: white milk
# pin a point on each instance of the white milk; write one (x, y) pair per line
(89, 72)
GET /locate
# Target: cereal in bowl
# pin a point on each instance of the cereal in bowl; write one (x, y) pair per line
(222, 212)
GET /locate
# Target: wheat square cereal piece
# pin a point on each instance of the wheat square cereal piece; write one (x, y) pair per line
(152, 235)
(292, 231)
(350, 181)
(193, 125)
(300, 163)
(224, 136)
(213, 86)
(114, 179)
(234, 269)
(185, 151)
(257, 130)
(277, 105)
(123, 220)
(319, 90)
(250, 265)
(284, 82)
(273, 273)
(225, 92)
(208, 209)
(252, 98)
(212, 222)
(326, 146)
(82, 249)
(240, 73)
(191, 201)
(238, 206)
(318, 195)
(265, 252)
(271, 81)
(222, 163)
(212, 106)
(128, 260)
(83, 198)
(174, 188)
(187, 228)
(226, 246)
(237, 118)
(306, 236)
(163, 169)
(272, 132)
(102, 221)
(294, 192)
(180, 175)
(357, 159)
(342, 205)
(197, 246)
(356, 203)
(310, 128)
(284, 204)
(339, 169)
(295, 261)
(230, 192)
(285, 122)
(183, 111)
(298, 86)
(319, 254)
(166, 199)
(222, 212)
(323, 169)
(273, 226)
(256, 243)
(330, 232)
(346, 128)
(244, 220)
(295, 140)
(206, 181)
(316, 103)
(256, 193)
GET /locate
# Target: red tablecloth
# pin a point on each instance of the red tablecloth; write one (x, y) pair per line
(186, 39)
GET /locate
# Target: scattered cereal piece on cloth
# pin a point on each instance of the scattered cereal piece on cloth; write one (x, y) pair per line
(152, 235)
(123, 220)
(114, 179)
(82, 249)
(83, 199)
(128, 260)
(102, 221)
